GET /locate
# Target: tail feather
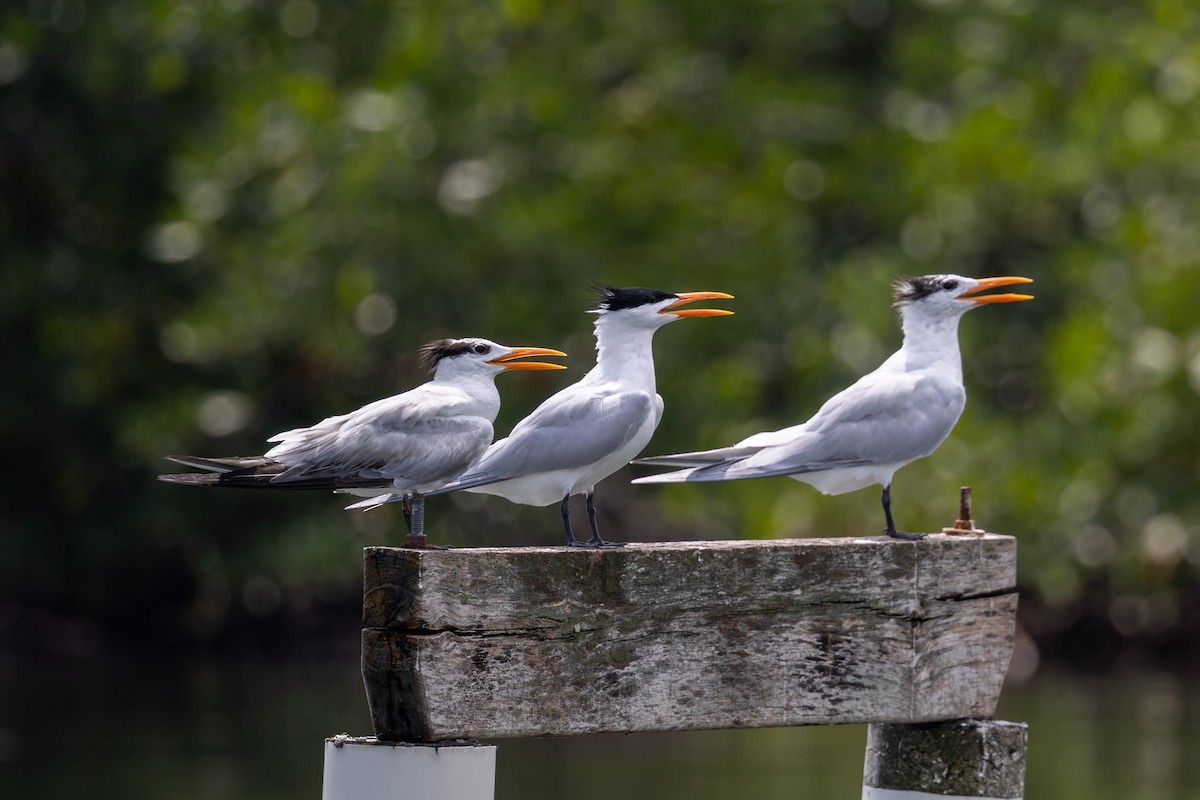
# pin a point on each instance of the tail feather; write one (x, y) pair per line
(227, 464)
(679, 476)
(701, 474)
(372, 503)
(259, 472)
(192, 478)
(699, 458)
(465, 482)
(468, 481)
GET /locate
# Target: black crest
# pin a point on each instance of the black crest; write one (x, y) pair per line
(434, 352)
(907, 290)
(613, 298)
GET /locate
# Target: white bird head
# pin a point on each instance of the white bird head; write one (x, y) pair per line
(950, 295)
(653, 308)
(448, 358)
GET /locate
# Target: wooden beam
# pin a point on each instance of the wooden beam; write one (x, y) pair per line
(495, 642)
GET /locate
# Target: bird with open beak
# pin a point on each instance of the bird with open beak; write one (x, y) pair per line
(403, 445)
(590, 429)
(900, 412)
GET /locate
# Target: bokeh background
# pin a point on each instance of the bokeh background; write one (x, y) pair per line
(220, 219)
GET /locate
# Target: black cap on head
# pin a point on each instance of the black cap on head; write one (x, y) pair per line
(434, 352)
(613, 298)
(907, 290)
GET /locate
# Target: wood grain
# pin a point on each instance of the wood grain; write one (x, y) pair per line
(495, 642)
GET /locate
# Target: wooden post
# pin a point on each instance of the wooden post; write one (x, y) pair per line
(965, 758)
(496, 642)
(367, 769)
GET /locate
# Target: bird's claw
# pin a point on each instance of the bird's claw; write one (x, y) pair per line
(904, 536)
(594, 543)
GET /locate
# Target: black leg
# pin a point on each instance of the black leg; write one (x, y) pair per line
(596, 541)
(591, 512)
(891, 526)
(566, 515)
(406, 507)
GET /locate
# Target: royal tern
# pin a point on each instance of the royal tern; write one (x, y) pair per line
(402, 445)
(590, 429)
(900, 412)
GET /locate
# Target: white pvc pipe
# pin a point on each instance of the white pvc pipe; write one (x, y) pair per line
(364, 769)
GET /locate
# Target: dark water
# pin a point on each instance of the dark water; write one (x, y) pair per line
(187, 730)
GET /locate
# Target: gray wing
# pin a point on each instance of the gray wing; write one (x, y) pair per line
(575, 430)
(438, 450)
(404, 449)
(892, 418)
(737, 470)
(896, 417)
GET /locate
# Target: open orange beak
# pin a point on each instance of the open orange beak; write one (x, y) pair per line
(992, 283)
(525, 352)
(691, 297)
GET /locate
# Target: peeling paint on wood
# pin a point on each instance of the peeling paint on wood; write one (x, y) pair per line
(495, 642)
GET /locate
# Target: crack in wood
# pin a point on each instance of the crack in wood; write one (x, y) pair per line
(964, 596)
(498, 642)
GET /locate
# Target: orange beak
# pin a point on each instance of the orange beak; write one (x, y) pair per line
(691, 297)
(992, 283)
(525, 352)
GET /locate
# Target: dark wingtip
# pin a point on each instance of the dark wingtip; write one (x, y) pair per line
(191, 478)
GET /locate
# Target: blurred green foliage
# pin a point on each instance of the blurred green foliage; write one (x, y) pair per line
(224, 218)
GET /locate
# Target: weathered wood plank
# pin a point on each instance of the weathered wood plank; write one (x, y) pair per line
(497, 642)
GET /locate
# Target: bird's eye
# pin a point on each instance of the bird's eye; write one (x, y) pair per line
(480, 348)
(950, 286)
